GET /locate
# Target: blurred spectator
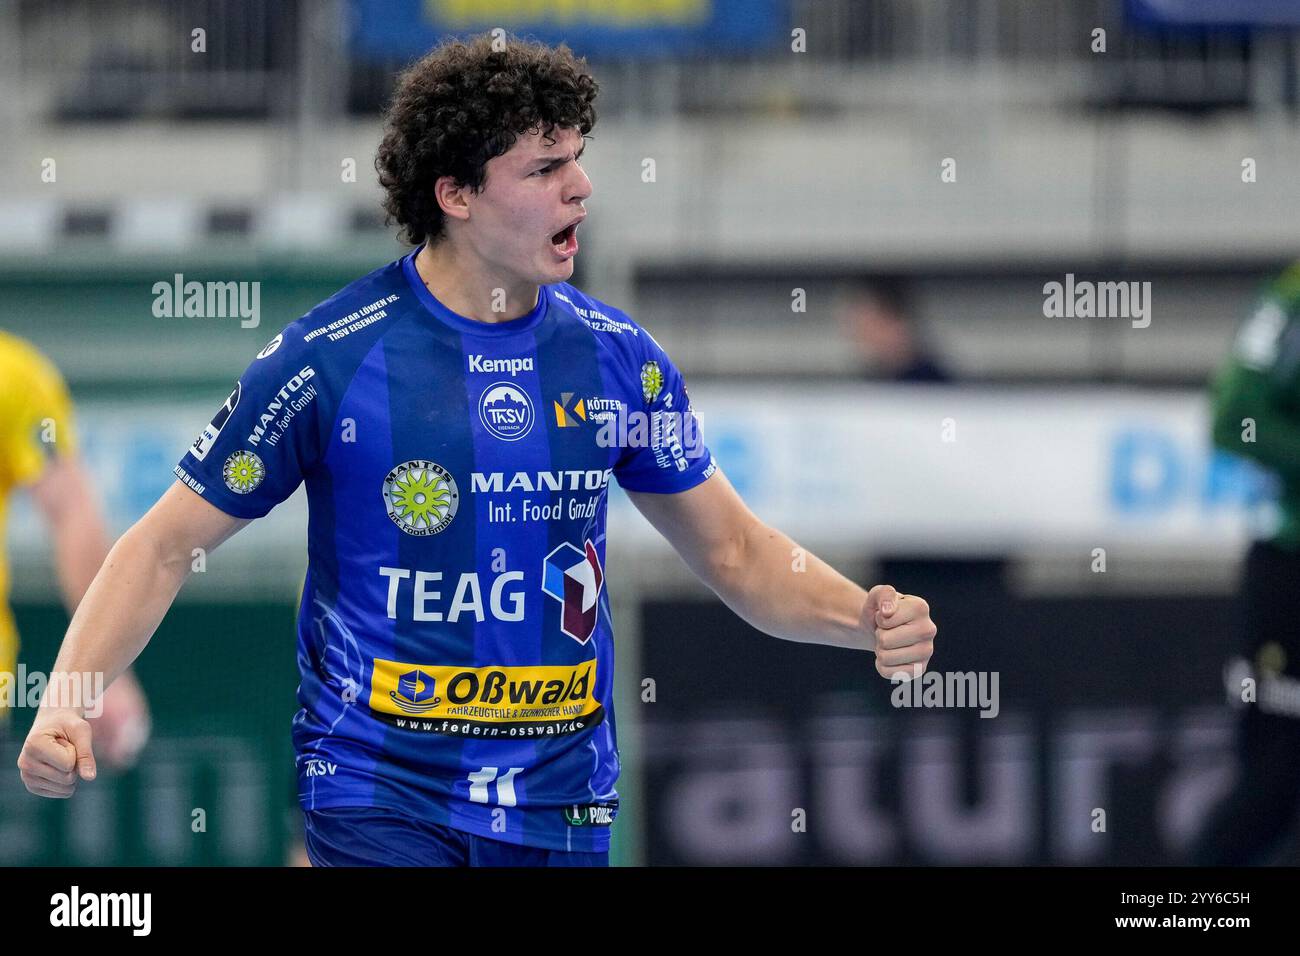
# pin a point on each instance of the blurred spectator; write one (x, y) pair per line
(877, 321)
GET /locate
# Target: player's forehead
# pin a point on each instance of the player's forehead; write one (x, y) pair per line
(534, 144)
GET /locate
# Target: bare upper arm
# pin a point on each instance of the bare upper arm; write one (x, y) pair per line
(706, 524)
(181, 520)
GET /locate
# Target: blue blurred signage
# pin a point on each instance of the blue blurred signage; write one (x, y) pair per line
(1217, 13)
(383, 29)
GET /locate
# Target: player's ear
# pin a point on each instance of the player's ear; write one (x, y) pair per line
(452, 197)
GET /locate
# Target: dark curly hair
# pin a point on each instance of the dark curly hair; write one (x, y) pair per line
(464, 103)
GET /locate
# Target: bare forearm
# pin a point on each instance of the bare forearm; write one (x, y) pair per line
(790, 593)
(122, 607)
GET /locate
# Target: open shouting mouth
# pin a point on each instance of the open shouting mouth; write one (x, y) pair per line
(565, 242)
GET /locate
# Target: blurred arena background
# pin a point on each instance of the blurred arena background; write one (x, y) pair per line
(838, 217)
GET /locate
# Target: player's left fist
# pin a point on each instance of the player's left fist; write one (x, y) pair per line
(901, 629)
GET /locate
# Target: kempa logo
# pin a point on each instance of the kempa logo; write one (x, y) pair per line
(953, 689)
(103, 909)
(271, 346)
(1101, 300)
(513, 367)
(208, 300)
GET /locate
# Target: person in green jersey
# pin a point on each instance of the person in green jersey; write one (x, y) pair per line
(1256, 404)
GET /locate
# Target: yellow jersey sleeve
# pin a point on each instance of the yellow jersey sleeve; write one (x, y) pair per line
(36, 423)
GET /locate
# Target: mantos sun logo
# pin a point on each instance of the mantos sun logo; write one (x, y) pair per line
(574, 578)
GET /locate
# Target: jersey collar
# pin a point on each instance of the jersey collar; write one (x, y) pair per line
(463, 324)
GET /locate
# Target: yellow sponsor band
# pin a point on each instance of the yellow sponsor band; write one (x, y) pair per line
(622, 13)
(492, 694)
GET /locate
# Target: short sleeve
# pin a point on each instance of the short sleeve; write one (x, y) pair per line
(664, 449)
(41, 427)
(264, 438)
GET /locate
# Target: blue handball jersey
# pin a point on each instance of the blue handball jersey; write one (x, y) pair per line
(454, 638)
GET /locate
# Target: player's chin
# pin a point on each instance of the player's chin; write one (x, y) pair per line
(560, 270)
(560, 265)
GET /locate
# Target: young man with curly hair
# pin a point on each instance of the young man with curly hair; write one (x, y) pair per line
(456, 417)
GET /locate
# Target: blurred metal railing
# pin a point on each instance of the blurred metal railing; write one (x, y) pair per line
(131, 59)
(108, 59)
(863, 53)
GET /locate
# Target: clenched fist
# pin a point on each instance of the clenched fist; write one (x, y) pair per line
(902, 632)
(57, 752)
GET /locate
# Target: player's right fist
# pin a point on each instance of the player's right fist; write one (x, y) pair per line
(56, 753)
(901, 630)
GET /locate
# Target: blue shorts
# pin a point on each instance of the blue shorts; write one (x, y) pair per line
(372, 836)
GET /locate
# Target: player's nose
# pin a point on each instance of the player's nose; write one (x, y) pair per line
(580, 187)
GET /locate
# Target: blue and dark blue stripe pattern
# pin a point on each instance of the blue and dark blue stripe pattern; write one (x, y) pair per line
(454, 638)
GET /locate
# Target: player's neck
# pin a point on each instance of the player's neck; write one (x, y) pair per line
(466, 288)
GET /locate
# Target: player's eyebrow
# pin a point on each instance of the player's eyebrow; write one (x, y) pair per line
(548, 161)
